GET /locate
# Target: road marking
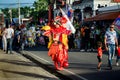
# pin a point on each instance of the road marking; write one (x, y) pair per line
(39, 57)
(52, 64)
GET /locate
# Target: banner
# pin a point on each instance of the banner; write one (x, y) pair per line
(69, 24)
(70, 13)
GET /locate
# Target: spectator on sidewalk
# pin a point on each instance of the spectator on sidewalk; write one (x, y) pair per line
(110, 41)
(99, 55)
(9, 36)
(71, 41)
(0, 37)
(4, 41)
(77, 39)
(18, 42)
(87, 38)
(92, 38)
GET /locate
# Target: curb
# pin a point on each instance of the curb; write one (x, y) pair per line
(48, 67)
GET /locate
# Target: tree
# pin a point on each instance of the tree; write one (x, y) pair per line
(24, 11)
(5, 11)
(41, 5)
(40, 9)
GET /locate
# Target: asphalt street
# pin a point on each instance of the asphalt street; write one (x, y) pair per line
(82, 65)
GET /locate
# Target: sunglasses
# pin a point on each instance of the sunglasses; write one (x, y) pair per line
(111, 27)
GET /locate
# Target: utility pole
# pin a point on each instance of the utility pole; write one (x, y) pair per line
(10, 12)
(19, 10)
(50, 16)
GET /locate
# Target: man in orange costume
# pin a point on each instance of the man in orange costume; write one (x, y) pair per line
(58, 42)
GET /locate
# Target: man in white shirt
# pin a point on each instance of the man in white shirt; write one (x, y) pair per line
(9, 37)
(111, 41)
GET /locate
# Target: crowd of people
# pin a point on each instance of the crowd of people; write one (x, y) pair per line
(17, 38)
(86, 38)
(102, 39)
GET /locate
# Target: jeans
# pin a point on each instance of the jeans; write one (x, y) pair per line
(111, 53)
(4, 43)
(118, 57)
(9, 45)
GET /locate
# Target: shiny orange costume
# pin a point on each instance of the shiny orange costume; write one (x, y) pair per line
(58, 44)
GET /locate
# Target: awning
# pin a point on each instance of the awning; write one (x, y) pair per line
(89, 19)
(115, 1)
(104, 16)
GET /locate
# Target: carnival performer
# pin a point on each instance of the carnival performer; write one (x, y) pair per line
(58, 42)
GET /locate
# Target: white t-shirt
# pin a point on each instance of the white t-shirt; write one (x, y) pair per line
(29, 33)
(10, 33)
(111, 35)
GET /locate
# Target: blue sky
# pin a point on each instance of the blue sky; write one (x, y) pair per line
(13, 3)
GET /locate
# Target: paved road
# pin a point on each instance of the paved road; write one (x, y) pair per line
(82, 65)
(16, 67)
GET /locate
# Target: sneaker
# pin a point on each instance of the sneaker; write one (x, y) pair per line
(113, 57)
(117, 64)
(82, 50)
(88, 50)
(111, 68)
(99, 68)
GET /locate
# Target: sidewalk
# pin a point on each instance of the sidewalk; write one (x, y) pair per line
(16, 67)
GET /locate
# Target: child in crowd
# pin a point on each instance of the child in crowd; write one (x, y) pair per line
(99, 55)
(118, 55)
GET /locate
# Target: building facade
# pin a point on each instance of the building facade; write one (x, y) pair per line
(87, 8)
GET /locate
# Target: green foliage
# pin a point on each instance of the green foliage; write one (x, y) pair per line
(24, 11)
(5, 11)
(40, 10)
(76, 25)
(41, 5)
(14, 13)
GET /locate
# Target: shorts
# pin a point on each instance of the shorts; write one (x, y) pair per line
(99, 59)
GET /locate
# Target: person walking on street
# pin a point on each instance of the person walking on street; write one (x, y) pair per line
(110, 41)
(9, 36)
(99, 55)
(118, 56)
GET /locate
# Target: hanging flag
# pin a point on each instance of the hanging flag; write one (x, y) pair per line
(69, 24)
(70, 12)
(117, 24)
